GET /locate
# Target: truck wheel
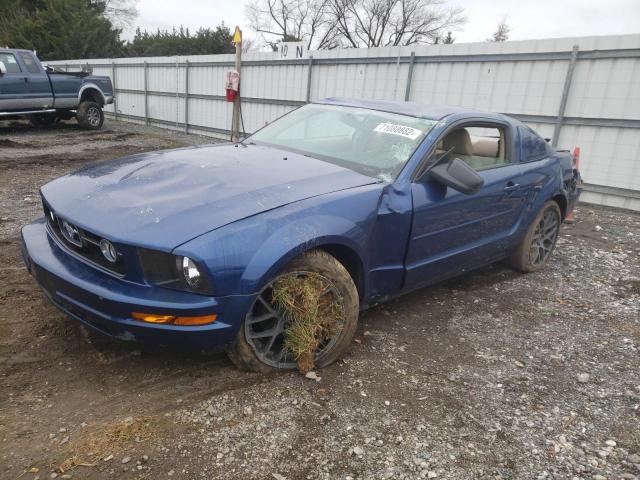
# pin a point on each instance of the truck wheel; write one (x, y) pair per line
(90, 116)
(258, 345)
(538, 244)
(43, 120)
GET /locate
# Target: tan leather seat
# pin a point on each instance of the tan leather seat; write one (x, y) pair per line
(485, 146)
(460, 141)
(478, 152)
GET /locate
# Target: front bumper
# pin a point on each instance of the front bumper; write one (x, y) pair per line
(104, 302)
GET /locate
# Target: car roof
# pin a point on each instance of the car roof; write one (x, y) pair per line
(14, 50)
(413, 109)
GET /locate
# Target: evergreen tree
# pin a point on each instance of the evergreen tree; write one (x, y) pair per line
(181, 41)
(67, 29)
(75, 29)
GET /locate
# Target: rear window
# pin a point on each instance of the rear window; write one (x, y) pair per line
(10, 62)
(532, 146)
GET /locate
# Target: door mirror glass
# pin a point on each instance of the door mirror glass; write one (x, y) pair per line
(3, 69)
(457, 175)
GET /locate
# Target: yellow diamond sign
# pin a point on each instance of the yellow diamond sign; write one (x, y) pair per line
(237, 35)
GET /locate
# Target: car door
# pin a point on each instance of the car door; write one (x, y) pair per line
(453, 232)
(14, 87)
(39, 90)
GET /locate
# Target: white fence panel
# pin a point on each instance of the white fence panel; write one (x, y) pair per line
(596, 108)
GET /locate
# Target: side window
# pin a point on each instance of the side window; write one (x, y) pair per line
(10, 62)
(30, 62)
(479, 146)
(533, 147)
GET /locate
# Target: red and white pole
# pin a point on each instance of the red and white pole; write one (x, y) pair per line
(576, 166)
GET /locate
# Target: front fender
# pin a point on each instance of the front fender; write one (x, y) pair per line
(295, 238)
(242, 256)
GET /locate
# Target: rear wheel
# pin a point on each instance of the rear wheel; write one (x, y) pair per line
(260, 342)
(538, 244)
(90, 116)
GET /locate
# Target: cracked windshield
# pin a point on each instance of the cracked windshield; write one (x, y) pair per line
(370, 142)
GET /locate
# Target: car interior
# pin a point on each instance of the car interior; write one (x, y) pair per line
(480, 147)
(9, 62)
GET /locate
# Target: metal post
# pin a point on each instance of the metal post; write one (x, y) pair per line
(177, 93)
(407, 90)
(565, 95)
(235, 119)
(186, 96)
(146, 93)
(308, 98)
(115, 96)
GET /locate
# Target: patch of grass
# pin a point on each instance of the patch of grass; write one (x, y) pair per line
(171, 144)
(315, 311)
(110, 439)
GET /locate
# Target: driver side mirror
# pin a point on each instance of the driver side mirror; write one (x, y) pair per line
(3, 68)
(457, 175)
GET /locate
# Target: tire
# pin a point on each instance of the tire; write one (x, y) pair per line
(244, 353)
(90, 116)
(43, 120)
(536, 248)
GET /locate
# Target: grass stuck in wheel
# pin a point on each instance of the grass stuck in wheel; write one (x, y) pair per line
(314, 311)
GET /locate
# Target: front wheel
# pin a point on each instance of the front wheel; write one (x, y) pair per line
(90, 116)
(538, 244)
(264, 341)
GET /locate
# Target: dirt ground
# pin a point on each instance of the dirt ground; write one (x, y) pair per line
(492, 375)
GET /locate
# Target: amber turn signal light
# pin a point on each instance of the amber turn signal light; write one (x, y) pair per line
(173, 320)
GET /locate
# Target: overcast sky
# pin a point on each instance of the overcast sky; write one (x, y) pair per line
(528, 19)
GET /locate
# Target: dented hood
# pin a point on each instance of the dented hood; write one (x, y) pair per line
(163, 199)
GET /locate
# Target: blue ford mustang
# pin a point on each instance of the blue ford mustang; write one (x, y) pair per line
(379, 198)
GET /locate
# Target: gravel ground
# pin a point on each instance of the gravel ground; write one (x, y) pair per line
(492, 375)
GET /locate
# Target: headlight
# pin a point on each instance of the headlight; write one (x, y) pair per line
(174, 271)
(190, 272)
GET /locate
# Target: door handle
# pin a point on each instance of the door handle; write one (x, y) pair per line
(511, 187)
(26, 79)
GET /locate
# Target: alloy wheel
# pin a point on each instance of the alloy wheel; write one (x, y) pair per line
(544, 238)
(265, 326)
(93, 116)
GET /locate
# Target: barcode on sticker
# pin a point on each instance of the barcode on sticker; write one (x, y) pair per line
(401, 130)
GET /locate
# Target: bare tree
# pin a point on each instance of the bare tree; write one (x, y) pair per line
(292, 20)
(380, 23)
(121, 13)
(502, 31)
(353, 23)
(249, 45)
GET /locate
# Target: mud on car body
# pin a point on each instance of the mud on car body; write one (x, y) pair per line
(379, 198)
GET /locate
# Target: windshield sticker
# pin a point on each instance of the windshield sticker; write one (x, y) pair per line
(393, 129)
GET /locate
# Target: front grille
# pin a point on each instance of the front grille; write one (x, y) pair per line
(81, 242)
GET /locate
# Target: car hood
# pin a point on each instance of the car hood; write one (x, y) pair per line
(163, 199)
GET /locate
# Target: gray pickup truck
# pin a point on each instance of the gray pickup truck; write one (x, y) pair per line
(46, 96)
